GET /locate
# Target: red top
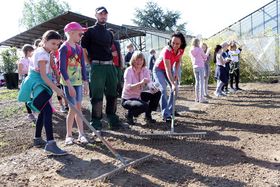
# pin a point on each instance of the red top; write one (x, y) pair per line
(115, 58)
(168, 53)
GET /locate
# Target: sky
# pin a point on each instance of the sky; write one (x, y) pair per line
(203, 17)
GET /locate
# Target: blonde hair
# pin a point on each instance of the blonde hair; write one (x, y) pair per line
(129, 45)
(195, 42)
(224, 44)
(135, 56)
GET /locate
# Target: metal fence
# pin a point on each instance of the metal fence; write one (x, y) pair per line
(258, 33)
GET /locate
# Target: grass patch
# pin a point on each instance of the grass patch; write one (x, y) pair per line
(12, 110)
(6, 95)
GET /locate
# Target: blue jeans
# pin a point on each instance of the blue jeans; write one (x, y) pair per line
(79, 94)
(166, 102)
(199, 83)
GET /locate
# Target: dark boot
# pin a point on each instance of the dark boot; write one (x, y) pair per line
(129, 118)
(148, 117)
(96, 114)
(111, 108)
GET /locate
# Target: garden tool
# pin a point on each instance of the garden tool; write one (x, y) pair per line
(124, 162)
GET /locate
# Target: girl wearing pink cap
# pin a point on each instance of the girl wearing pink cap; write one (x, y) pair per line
(73, 71)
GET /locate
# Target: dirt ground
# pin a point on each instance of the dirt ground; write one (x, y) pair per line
(241, 148)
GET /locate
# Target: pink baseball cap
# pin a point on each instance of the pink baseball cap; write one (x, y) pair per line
(74, 26)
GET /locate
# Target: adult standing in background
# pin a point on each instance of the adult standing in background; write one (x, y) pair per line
(207, 69)
(96, 43)
(118, 62)
(162, 72)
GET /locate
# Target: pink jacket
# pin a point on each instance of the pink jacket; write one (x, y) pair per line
(131, 78)
(198, 57)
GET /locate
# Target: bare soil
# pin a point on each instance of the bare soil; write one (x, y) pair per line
(241, 148)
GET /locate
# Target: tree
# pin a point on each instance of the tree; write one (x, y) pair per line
(38, 11)
(153, 16)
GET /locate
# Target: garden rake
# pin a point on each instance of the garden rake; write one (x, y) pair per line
(124, 162)
(172, 133)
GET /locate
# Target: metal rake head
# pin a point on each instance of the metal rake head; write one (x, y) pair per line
(123, 168)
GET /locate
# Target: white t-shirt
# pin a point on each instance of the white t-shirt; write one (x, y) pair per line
(40, 54)
(219, 57)
(234, 55)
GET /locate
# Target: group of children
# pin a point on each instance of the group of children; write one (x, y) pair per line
(38, 82)
(226, 58)
(61, 67)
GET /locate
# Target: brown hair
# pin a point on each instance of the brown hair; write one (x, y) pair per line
(27, 48)
(204, 44)
(195, 42)
(135, 56)
(233, 46)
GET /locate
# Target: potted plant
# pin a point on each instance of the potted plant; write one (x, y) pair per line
(9, 59)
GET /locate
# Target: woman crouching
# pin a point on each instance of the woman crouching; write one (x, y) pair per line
(139, 94)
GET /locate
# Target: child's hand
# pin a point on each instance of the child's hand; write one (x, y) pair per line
(86, 89)
(59, 92)
(115, 53)
(72, 91)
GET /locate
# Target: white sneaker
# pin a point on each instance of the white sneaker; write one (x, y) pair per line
(69, 141)
(223, 93)
(82, 139)
(217, 94)
(62, 109)
(31, 117)
(203, 101)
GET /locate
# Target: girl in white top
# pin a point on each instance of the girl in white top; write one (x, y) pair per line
(40, 77)
(23, 66)
(220, 73)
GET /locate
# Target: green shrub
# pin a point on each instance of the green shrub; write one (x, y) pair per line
(247, 72)
(9, 59)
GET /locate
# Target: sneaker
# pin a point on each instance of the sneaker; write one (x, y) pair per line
(69, 141)
(82, 139)
(130, 120)
(52, 148)
(168, 119)
(203, 101)
(217, 94)
(39, 142)
(66, 108)
(150, 120)
(177, 114)
(238, 89)
(31, 117)
(232, 90)
(223, 93)
(62, 109)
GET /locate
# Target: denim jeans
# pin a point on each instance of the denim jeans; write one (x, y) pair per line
(206, 77)
(199, 83)
(166, 102)
(220, 84)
